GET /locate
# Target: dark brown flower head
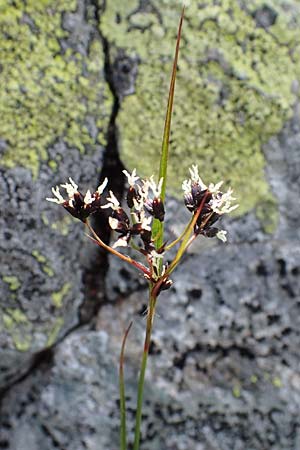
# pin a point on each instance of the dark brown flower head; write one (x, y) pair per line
(156, 208)
(132, 195)
(77, 205)
(212, 201)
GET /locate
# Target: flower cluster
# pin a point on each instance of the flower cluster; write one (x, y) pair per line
(209, 203)
(144, 202)
(76, 204)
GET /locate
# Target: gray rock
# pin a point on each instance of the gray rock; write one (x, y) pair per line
(41, 248)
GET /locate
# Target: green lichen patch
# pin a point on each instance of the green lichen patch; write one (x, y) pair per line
(44, 263)
(52, 336)
(46, 93)
(17, 325)
(13, 282)
(233, 92)
(58, 297)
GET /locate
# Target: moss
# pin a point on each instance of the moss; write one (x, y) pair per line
(57, 297)
(13, 282)
(48, 92)
(233, 92)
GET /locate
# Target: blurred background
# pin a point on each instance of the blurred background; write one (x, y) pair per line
(83, 92)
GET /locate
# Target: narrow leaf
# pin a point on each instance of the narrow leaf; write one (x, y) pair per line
(123, 431)
(158, 228)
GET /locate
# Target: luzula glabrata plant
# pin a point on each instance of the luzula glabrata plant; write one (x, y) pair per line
(140, 226)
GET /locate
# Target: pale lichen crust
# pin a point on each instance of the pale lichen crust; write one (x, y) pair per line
(50, 89)
(234, 88)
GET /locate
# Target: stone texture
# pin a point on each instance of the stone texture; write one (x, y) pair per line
(55, 106)
(224, 366)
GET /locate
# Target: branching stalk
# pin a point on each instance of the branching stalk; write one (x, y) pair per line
(115, 252)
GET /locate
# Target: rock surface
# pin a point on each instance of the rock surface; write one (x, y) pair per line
(51, 125)
(224, 366)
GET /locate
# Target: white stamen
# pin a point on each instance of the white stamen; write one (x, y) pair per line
(71, 188)
(102, 186)
(156, 188)
(222, 235)
(113, 223)
(132, 179)
(59, 198)
(187, 186)
(121, 242)
(113, 202)
(88, 199)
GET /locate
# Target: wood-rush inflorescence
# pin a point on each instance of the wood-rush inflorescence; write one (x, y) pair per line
(134, 226)
(213, 202)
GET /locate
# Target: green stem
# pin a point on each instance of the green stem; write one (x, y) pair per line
(158, 227)
(149, 325)
(186, 230)
(123, 431)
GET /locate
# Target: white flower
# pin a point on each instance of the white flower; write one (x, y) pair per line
(187, 186)
(121, 242)
(59, 198)
(71, 188)
(195, 178)
(156, 188)
(222, 235)
(146, 222)
(102, 186)
(88, 199)
(113, 223)
(221, 202)
(113, 202)
(132, 179)
(215, 188)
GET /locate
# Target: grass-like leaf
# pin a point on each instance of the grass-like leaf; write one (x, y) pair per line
(123, 431)
(158, 227)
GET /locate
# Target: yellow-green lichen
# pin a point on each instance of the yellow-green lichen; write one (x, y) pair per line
(13, 282)
(43, 261)
(236, 391)
(38, 256)
(57, 297)
(18, 327)
(55, 331)
(63, 225)
(276, 381)
(253, 379)
(22, 342)
(47, 93)
(7, 321)
(233, 92)
(17, 316)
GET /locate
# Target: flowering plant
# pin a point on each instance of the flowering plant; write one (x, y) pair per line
(140, 226)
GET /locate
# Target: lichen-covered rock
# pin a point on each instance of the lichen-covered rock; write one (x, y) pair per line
(54, 109)
(235, 87)
(224, 365)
